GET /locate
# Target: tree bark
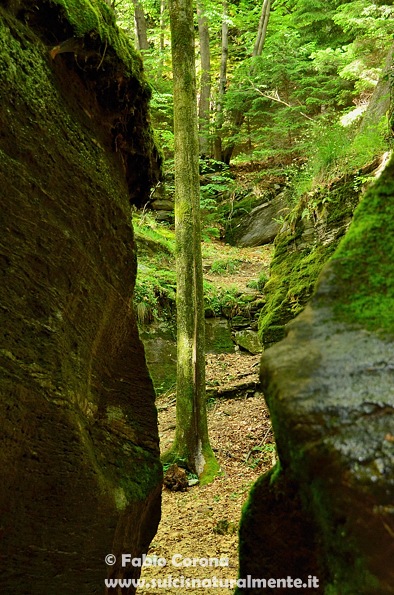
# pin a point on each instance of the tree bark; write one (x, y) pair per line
(191, 447)
(222, 86)
(262, 30)
(140, 26)
(162, 25)
(205, 83)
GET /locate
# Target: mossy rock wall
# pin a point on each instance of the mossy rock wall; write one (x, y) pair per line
(79, 456)
(329, 387)
(303, 246)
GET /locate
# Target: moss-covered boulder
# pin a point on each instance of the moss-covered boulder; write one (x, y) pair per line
(79, 457)
(306, 242)
(329, 386)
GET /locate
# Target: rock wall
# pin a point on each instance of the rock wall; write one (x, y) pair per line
(305, 243)
(327, 509)
(79, 456)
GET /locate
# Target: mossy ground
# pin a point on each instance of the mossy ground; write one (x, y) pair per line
(155, 290)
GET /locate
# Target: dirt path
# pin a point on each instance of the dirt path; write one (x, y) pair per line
(248, 264)
(203, 522)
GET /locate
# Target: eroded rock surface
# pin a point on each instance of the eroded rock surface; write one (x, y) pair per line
(329, 386)
(79, 457)
(262, 224)
(303, 247)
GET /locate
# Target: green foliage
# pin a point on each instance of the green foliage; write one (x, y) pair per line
(217, 184)
(319, 59)
(263, 279)
(261, 454)
(312, 67)
(155, 289)
(154, 293)
(225, 266)
(224, 301)
(334, 151)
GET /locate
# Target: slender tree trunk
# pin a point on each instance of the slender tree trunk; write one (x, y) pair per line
(262, 30)
(140, 26)
(162, 24)
(191, 447)
(205, 84)
(222, 86)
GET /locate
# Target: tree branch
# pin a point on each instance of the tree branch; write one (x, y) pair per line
(274, 96)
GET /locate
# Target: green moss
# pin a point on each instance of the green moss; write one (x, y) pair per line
(181, 457)
(293, 276)
(27, 72)
(211, 467)
(364, 260)
(145, 477)
(297, 263)
(170, 457)
(87, 16)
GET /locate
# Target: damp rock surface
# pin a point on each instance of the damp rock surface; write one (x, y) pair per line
(329, 387)
(79, 456)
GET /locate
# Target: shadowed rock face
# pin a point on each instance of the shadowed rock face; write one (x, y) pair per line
(329, 386)
(79, 457)
(262, 224)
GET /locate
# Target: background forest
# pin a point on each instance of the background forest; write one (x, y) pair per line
(278, 79)
(283, 88)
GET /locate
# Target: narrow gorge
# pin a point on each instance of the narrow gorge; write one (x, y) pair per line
(298, 291)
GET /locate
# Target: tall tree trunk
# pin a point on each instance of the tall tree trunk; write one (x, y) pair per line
(205, 83)
(140, 26)
(238, 116)
(222, 86)
(262, 30)
(191, 447)
(162, 24)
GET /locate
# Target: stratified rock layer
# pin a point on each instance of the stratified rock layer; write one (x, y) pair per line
(329, 386)
(262, 224)
(79, 457)
(302, 248)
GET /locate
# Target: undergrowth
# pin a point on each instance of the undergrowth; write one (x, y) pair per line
(335, 151)
(155, 288)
